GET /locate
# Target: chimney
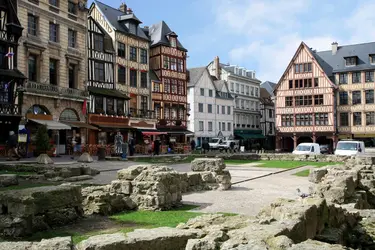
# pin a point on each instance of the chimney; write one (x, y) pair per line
(130, 11)
(217, 67)
(334, 48)
(123, 8)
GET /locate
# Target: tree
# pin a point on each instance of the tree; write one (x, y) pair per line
(42, 140)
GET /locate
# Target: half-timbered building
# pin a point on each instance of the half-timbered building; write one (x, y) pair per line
(11, 79)
(169, 98)
(305, 103)
(131, 67)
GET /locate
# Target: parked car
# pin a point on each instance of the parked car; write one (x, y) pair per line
(307, 149)
(347, 147)
(225, 145)
(214, 143)
(325, 149)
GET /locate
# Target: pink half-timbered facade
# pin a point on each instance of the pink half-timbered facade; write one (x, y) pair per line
(305, 103)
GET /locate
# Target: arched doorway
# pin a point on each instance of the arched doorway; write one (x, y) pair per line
(66, 136)
(38, 110)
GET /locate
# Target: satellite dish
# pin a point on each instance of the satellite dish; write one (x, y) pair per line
(82, 5)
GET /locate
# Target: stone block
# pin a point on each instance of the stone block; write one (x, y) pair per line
(208, 177)
(121, 187)
(316, 174)
(7, 180)
(194, 179)
(44, 159)
(208, 164)
(131, 173)
(85, 157)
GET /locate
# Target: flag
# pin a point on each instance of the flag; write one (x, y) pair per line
(9, 54)
(84, 108)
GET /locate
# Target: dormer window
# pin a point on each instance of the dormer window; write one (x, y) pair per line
(133, 28)
(351, 61)
(173, 42)
(372, 59)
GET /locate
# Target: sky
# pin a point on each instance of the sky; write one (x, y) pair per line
(260, 35)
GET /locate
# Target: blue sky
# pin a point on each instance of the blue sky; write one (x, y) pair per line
(261, 35)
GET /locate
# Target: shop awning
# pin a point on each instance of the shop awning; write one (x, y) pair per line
(176, 132)
(250, 136)
(78, 124)
(154, 133)
(108, 92)
(113, 126)
(54, 125)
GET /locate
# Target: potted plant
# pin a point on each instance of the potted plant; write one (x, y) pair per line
(43, 145)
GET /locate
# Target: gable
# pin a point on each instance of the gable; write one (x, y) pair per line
(94, 27)
(205, 81)
(309, 67)
(98, 16)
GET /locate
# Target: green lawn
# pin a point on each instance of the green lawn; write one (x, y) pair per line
(278, 164)
(124, 222)
(306, 172)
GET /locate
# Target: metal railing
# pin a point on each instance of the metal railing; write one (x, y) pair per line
(55, 90)
(9, 109)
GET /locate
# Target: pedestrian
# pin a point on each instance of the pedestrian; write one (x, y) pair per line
(205, 146)
(131, 146)
(119, 140)
(231, 145)
(77, 146)
(12, 146)
(156, 146)
(192, 145)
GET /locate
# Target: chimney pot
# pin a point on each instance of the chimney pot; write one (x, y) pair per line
(334, 48)
(217, 67)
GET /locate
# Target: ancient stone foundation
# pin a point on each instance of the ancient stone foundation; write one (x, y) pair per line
(23, 212)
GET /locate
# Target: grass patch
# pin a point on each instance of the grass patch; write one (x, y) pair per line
(278, 164)
(123, 222)
(303, 173)
(17, 173)
(306, 172)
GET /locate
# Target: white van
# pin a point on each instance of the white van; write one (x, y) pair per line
(348, 148)
(307, 148)
(214, 143)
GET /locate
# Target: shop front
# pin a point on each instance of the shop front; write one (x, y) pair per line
(249, 138)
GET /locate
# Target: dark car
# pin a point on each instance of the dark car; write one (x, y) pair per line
(324, 149)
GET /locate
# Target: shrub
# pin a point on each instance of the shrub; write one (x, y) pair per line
(42, 140)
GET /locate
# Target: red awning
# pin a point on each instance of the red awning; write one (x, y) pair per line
(154, 133)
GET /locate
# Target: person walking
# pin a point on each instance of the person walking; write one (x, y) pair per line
(156, 146)
(205, 146)
(77, 146)
(192, 145)
(12, 146)
(231, 145)
(131, 146)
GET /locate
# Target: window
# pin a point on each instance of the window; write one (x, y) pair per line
(174, 86)
(344, 119)
(121, 50)
(219, 126)
(321, 119)
(173, 41)
(307, 83)
(350, 61)
(307, 100)
(343, 78)
(98, 43)
(223, 110)
(53, 32)
(343, 96)
(133, 54)
(157, 87)
(144, 103)
(370, 118)
(256, 91)
(72, 8)
(167, 86)
(200, 107)
(99, 71)
(237, 88)
(53, 71)
(223, 126)
(372, 59)
(4, 92)
(242, 89)
(201, 127)
(209, 126)
(218, 109)
(166, 62)
(98, 104)
(32, 24)
(181, 88)
(120, 107)
(32, 68)
(110, 106)
(357, 118)
(299, 100)
(210, 92)
(209, 108)
(133, 78)
(369, 76)
(287, 120)
(356, 77)
(304, 120)
(202, 91)
(232, 86)
(369, 96)
(318, 100)
(289, 101)
(121, 73)
(247, 90)
(229, 127)
(3, 60)
(228, 110)
(144, 80)
(303, 67)
(356, 97)
(173, 64)
(290, 84)
(270, 113)
(144, 56)
(54, 3)
(72, 38)
(316, 82)
(180, 65)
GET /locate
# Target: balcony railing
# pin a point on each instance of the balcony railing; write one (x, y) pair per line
(142, 113)
(9, 109)
(54, 90)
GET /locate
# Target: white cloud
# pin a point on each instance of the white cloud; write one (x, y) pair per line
(271, 31)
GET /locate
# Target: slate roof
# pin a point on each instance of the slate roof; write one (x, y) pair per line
(230, 68)
(265, 97)
(112, 15)
(269, 87)
(194, 75)
(336, 63)
(153, 76)
(158, 35)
